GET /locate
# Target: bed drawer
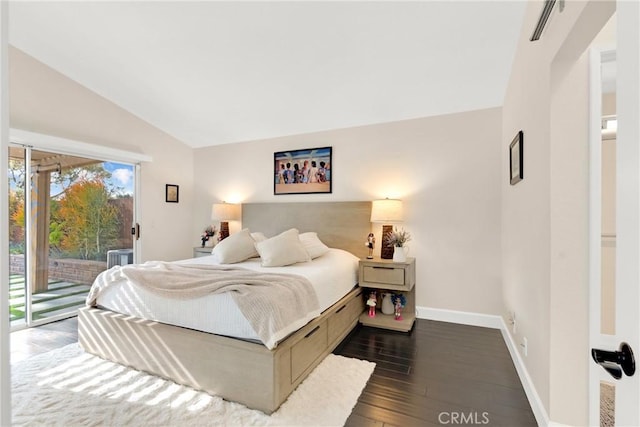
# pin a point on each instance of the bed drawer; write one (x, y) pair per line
(308, 350)
(343, 317)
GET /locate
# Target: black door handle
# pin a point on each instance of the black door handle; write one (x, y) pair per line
(616, 362)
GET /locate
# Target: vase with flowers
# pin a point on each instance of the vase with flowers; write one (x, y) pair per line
(398, 239)
(207, 234)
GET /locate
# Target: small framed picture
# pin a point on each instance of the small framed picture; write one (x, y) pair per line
(515, 158)
(171, 193)
(302, 171)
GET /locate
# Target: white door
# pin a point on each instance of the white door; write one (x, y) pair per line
(615, 233)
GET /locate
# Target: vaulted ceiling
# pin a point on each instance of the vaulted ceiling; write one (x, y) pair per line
(220, 72)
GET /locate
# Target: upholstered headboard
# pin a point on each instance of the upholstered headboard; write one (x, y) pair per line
(343, 225)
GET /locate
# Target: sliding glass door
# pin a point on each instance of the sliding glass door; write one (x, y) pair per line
(17, 237)
(71, 218)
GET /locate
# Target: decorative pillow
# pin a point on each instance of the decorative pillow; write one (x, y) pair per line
(283, 249)
(258, 236)
(313, 245)
(235, 248)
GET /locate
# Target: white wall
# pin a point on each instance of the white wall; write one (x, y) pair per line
(47, 102)
(545, 217)
(446, 169)
(5, 368)
(569, 249)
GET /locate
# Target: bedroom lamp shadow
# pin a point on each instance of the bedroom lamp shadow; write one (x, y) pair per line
(225, 212)
(386, 212)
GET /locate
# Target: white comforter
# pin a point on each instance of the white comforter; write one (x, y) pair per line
(332, 275)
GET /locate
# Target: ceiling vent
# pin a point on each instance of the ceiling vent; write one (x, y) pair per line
(544, 17)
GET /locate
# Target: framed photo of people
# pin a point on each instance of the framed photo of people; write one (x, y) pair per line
(307, 171)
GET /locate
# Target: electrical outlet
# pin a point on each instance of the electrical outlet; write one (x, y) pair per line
(514, 329)
(525, 346)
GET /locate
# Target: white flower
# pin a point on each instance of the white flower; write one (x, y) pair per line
(397, 238)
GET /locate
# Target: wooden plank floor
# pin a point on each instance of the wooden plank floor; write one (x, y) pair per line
(437, 374)
(427, 377)
(32, 341)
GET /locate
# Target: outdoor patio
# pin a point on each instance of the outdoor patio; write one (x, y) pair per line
(60, 297)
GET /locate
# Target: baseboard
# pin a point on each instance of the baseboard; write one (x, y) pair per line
(538, 408)
(494, 322)
(460, 317)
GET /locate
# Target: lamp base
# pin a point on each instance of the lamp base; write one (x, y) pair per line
(224, 233)
(386, 252)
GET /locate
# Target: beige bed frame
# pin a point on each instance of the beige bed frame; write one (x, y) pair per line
(238, 370)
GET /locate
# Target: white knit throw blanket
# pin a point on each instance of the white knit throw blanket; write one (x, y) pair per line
(272, 303)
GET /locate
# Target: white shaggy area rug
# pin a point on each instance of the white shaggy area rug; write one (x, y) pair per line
(68, 387)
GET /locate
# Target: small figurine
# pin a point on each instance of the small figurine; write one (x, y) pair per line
(371, 242)
(399, 301)
(371, 302)
(398, 310)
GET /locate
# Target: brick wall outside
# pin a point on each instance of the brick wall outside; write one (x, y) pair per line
(72, 270)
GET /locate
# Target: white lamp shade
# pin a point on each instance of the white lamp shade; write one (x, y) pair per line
(225, 212)
(386, 211)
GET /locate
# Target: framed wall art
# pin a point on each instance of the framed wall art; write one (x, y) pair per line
(516, 159)
(171, 193)
(307, 171)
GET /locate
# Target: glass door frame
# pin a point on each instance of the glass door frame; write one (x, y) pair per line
(32, 141)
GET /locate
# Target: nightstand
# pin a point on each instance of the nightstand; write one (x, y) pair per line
(199, 251)
(384, 274)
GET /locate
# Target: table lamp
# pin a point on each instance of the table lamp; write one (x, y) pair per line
(225, 212)
(386, 212)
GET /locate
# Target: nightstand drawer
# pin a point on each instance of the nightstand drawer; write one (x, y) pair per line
(383, 274)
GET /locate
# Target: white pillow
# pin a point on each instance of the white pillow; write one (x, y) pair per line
(258, 236)
(313, 245)
(235, 248)
(283, 249)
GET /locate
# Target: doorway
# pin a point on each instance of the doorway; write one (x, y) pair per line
(70, 218)
(614, 324)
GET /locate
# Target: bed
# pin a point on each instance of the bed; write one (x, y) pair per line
(242, 370)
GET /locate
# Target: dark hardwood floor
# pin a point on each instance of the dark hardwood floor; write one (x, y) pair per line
(438, 374)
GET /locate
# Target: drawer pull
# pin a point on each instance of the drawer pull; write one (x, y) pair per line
(313, 331)
(341, 308)
(385, 268)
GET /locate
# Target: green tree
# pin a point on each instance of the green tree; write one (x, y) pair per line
(68, 177)
(90, 221)
(16, 174)
(16, 222)
(63, 181)
(16, 205)
(56, 228)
